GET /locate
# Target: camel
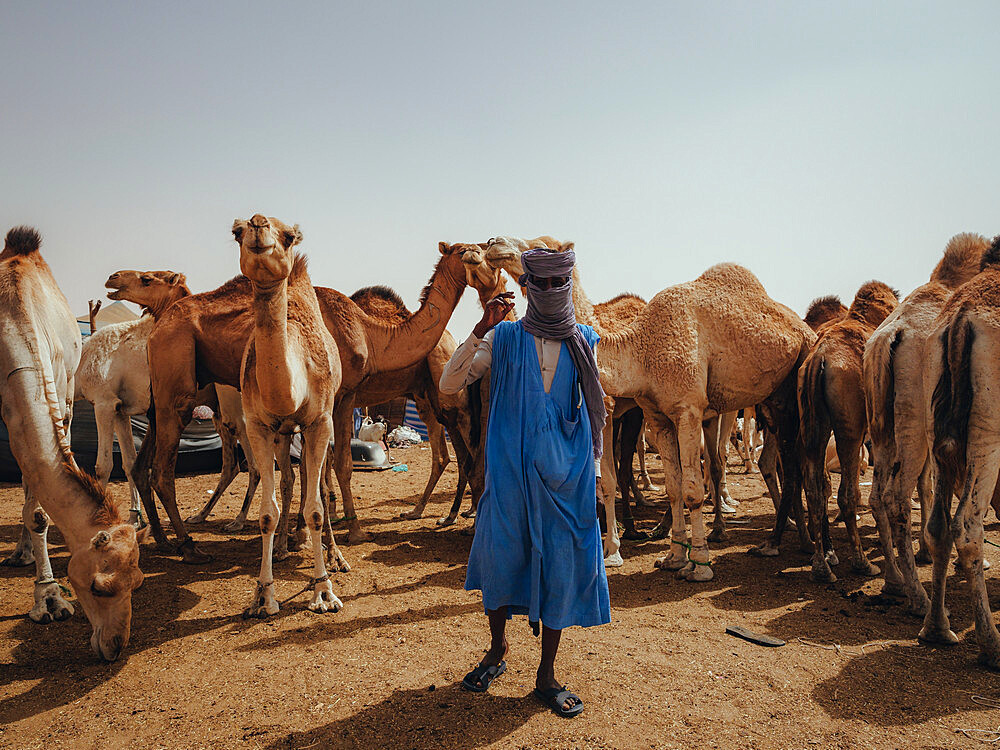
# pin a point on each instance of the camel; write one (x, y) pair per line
(114, 374)
(39, 352)
(831, 398)
(288, 382)
(961, 417)
(696, 351)
(200, 340)
(894, 393)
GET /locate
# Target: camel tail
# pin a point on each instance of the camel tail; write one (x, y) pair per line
(812, 402)
(23, 241)
(952, 400)
(880, 386)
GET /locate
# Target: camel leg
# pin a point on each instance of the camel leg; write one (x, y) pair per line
(847, 498)
(329, 481)
(768, 465)
(253, 479)
(816, 481)
(883, 455)
(713, 430)
(629, 432)
(912, 467)
(465, 463)
(229, 470)
(264, 602)
(612, 543)
(439, 456)
(126, 444)
(936, 628)
(104, 417)
(282, 453)
(314, 444)
(142, 477)
(645, 482)
(49, 602)
(343, 419)
(689, 433)
(334, 557)
(22, 555)
(673, 517)
(169, 426)
(925, 495)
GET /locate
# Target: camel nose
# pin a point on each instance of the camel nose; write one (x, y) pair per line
(259, 222)
(113, 649)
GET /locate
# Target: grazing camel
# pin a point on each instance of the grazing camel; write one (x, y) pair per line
(200, 340)
(961, 371)
(288, 382)
(39, 352)
(114, 374)
(894, 393)
(831, 398)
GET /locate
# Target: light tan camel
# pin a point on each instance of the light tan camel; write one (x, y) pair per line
(39, 352)
(894, 393)
(201, 339)
(698, 350)
(961, 375)
(114, 373)
(832, 399)
(288, 380)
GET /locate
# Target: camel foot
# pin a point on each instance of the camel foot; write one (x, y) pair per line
(614, 560)
(358, 537)
(279, 554)
(923, 556)
(937, 635)
(632, 535)
(645, 502)
(821, 572)
(893, 590)
(164, 546)
(50, 605)
(832, 559)
(764, 550)
(19, 558)
(196, 518)
(718, 535)
(672, 561)
(337, 562)
(919, 605)
(866, 569)
(191, 555)
(470, 513)
(446, 521)
(323, 599)
(411, 515)
(695, 573)
(263, 602)
(236, 524)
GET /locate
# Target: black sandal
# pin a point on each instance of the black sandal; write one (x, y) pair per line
(479, 679)
(556, 697)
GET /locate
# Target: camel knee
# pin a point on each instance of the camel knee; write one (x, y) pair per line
(36, 521)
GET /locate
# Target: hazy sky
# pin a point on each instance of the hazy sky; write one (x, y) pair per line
(819, 144)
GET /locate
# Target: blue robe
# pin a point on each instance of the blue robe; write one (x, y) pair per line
(537, 548)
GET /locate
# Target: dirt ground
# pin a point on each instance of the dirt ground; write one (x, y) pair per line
(385, 671)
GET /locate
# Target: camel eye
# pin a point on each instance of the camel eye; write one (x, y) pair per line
(99, 592)
(145, 280)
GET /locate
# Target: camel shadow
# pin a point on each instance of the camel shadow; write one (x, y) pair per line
(940, 682)
(421, 718)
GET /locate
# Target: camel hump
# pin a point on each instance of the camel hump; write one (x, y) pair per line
(824, 309)
(961, 259)
(734, 275)
(991, 256)
(22, 240)
(873, 302)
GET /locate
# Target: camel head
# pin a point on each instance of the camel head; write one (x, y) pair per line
(104, 574)
(873, 303)
(266, 255)
(505, 252)
(484, 278)
(154, 291)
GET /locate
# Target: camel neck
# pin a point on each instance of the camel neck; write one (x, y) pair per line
(158, 308)
(397, 346)
(617, 365)
(271, 347)
(582, 306)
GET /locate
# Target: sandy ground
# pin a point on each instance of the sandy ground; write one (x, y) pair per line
(385, 671)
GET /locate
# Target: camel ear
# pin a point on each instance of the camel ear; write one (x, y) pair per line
(176, 278)
(445, 248)
(141, 534)
(565, 247)
(293, 237)
(101, 539)
(239, 226)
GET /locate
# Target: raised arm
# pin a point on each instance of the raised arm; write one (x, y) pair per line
(474, 355)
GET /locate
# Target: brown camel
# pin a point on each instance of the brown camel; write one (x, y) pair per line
(831, 398)
(697, 350)
(200, 340)
(39, 351)
(894, 391)
(961, 371)
(288, 381)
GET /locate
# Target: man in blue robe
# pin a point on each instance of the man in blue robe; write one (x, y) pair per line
(537, 547)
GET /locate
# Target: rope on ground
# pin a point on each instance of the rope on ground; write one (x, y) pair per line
(989, 736)
(841, 651)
